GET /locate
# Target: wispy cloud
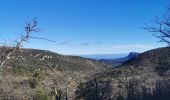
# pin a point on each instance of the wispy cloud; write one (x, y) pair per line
(98, 42)
(85, 44)
(80, 44)
(64, 43)
(71, 45)
(88, 43)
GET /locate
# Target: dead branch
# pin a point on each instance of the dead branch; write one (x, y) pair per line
(7, 51)
(161, 28)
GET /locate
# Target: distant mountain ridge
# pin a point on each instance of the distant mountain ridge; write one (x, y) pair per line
(104, 56)
(119, 61)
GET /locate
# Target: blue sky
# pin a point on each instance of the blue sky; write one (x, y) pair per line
(84, 26)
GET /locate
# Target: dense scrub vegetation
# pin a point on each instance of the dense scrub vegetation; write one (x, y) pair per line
(145, 78)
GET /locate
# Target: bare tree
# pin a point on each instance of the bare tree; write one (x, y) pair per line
(161, 27)
(61, 82)
(7, 51)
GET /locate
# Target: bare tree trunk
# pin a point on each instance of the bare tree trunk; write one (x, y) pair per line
(131, 90)
(66, 94)
(96, 90)
(51, 95)
(57, 94)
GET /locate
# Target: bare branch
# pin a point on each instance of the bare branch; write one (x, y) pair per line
(29, 29)
(161, 28)
(42, 39)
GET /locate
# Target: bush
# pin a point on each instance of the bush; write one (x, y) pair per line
(32, 83)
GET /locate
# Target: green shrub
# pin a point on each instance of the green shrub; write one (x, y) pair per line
(32, 83)
(42, 95)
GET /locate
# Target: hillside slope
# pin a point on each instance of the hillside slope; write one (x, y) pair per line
(146, 77)
(33, 74)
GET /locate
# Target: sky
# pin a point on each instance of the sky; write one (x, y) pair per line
(84, 26)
